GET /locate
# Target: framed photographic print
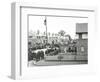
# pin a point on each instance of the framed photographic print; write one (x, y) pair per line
(48, 42)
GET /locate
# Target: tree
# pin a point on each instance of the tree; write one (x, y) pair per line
(61, 32)
(69, 37)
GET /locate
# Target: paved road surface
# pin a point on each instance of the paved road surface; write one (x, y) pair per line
(50, 63)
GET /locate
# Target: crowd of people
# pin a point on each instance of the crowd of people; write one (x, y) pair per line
(38, 53)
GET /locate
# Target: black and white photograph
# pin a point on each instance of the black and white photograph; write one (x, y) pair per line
(57, 40)
(52, 41)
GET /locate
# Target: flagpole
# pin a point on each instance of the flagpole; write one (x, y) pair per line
(46, 30)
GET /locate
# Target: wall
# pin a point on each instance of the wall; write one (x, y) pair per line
(82, 43)
(5, 39)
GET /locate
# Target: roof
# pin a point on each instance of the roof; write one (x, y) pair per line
(81, 27)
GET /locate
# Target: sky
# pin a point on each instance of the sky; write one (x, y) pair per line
(55, 24)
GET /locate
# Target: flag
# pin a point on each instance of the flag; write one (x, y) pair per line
(45, 21)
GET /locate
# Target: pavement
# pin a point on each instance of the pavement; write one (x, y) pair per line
(51, 63)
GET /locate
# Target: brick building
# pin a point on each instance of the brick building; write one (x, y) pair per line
(82, 38)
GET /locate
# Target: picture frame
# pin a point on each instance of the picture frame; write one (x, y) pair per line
(20, 13)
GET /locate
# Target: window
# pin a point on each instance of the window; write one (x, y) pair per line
(82, 49)
(84, 36)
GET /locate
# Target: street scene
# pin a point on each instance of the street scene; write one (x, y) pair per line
(57, 41)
